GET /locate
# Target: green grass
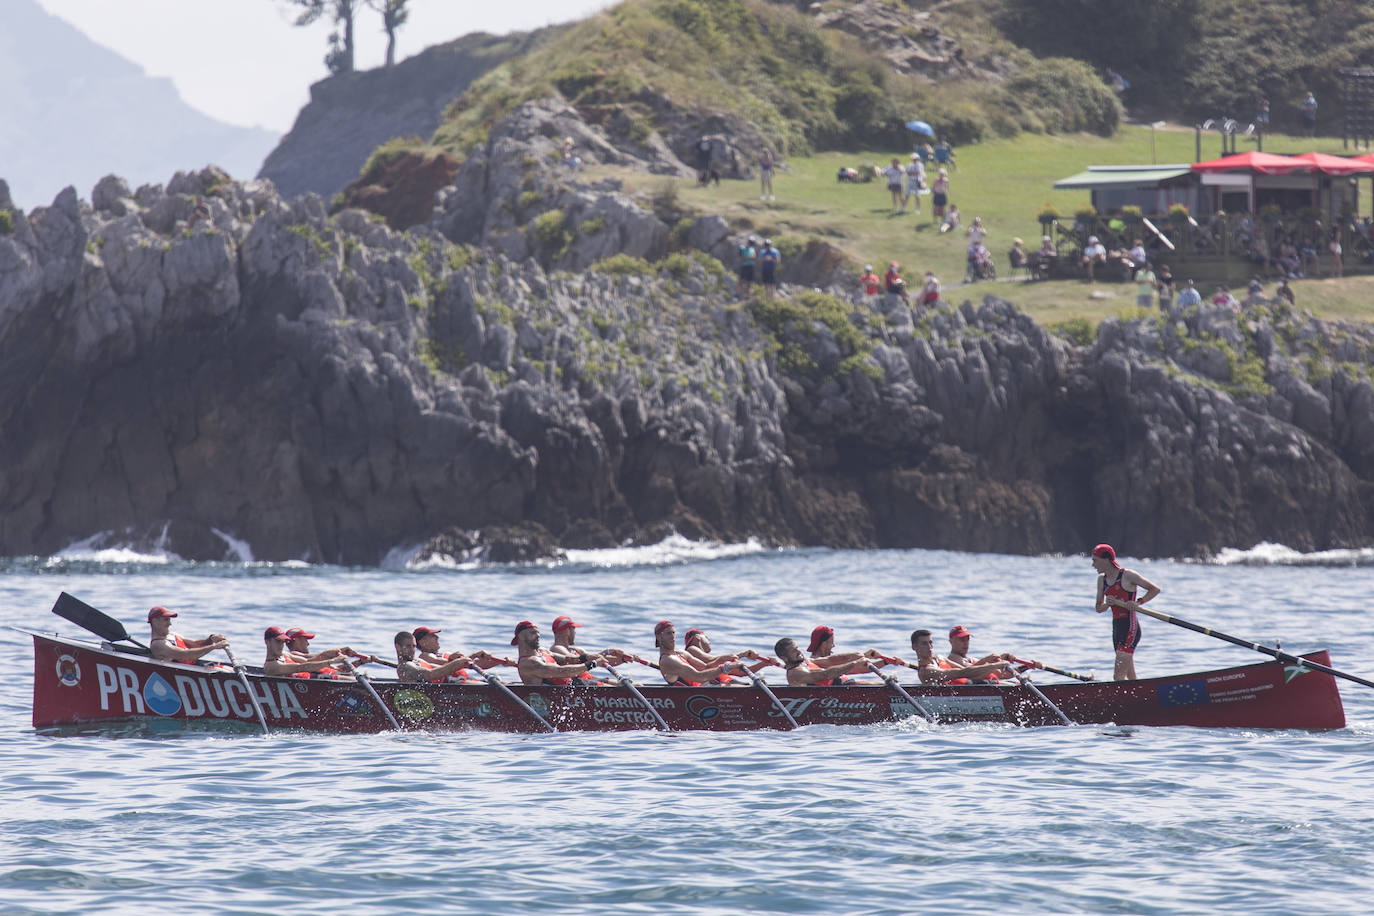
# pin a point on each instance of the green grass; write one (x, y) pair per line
(1006, 182)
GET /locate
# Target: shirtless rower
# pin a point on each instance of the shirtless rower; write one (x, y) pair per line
(696, 644)
(566, 651)
(681, 669)
(1116, 590)
(411, 669)
(936, 669)
(822, 647)
(280, 663)
(427, 650)
(959, 637)
(298, 647)
(167, 646)
(825, 671)
(539, 666)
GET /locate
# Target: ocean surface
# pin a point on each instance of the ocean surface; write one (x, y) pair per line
(900, 818)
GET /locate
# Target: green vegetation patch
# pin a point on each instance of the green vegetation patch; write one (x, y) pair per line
(784, 317)
(623, 265)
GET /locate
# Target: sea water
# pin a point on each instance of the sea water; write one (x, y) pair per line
(898, 818)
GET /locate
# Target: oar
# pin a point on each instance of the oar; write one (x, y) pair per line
(362, 679)
(499, 684)
(88, 618)
(758, 682)
(1246, 644)
(1052, 670)
(892, 684)
(630, 686)
(1026, 682)
(252, 697)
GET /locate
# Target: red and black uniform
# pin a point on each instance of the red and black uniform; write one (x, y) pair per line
(947, 665)
(837, 681)
(1125, 625)
(548, 658)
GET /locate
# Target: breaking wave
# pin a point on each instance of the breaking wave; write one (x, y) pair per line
(1267, 554)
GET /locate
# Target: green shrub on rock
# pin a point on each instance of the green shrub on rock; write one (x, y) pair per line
(623, 265)
(6, 222)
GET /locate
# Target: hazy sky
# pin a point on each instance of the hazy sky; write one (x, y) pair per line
(242, 61)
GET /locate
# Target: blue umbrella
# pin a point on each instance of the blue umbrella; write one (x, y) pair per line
(921, 127)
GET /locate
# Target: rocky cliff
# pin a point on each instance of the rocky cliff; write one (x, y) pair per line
(548, 361)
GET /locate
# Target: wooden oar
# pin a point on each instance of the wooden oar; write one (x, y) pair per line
(1052, 670)
(892, 684)
(758, 682)
(1246, 644)
(499, 684)
(630, 686)
(88, 618)
(252, 697)
(1026, 682)
(362, 679)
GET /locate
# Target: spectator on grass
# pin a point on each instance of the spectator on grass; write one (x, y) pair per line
(748, 253)
(1255, 291)
(870, 281)
(1223, 297)
(1262, 114)
(704, 147)
(939, 195)
(930, 292)
(1308, 113)
(1094, 255)
(976, 232)
(1145, 281)
(944, 154)
(1165, 284)
(893, 175)
(893, 282)
(1137, 255)
(1289, 262)
(926, 152)
(766, 176)
(1189, 295)
(951, 221)
(1334, 246)
(1017, 257)
(915, 182)
(1285, 292)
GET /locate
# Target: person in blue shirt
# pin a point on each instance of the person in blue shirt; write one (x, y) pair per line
(769, 259)
(1189, 296)
(944, 154)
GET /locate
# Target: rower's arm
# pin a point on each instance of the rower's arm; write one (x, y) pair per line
(166, 651)
(1151, 590)
(1101, 603)
(531, 666)
(444, 670)
(280, 667)
(806, 677)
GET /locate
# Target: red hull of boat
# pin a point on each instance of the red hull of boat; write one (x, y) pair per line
(79, 683)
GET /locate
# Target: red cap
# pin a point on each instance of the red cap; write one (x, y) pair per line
(959, 630)
(562, 623)
(694, 631)
(419, 632)
(818, 636)
(297, 631)
(661, 626)
(1106, 552)
(275, 633)
(160, 611)
(520, 627)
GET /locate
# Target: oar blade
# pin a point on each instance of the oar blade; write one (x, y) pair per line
(88, 618)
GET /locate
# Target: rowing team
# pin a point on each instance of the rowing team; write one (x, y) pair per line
(419, 657)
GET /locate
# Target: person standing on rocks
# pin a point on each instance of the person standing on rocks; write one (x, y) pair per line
(1116, 589)
(748, 253)
(769, 259)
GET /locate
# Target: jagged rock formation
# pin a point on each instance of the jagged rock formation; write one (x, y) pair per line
(210, 363)
(350, 115)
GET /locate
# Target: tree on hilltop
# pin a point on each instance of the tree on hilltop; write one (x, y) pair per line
(339, 59)
(394, 15)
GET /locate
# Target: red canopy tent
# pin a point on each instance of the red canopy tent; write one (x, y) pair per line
(1259, 163)
(1337, 165)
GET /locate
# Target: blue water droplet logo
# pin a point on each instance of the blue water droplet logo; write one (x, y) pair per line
(160, 696)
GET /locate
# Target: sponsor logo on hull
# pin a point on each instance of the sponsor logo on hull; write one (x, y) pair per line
(192, 697)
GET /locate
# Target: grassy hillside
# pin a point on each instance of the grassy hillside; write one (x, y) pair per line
(806, 87)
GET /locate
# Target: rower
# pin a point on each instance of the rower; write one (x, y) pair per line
(280, 663)
(538, 666)
(696, 644)
(168, 646)
(411, 669)
(680, 669)
(565, 650)
(427, 650)
(298, 646)
(959, 637)
(1116, 590)
(936, 669)
(822, 647)
(825, 671)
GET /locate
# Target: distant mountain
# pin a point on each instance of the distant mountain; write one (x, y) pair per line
(73, 111)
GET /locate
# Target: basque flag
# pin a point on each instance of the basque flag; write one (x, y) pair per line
(1184, 693)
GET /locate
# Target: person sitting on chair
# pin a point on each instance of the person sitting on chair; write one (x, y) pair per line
(1017, 257)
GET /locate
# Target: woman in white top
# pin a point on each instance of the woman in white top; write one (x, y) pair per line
(915, 182)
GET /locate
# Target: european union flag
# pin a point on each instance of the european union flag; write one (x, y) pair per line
(1186, 693)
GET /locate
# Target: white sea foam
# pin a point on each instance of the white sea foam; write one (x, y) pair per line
(242, 551)
(1267, 554)
(672, 550)
(98, 549)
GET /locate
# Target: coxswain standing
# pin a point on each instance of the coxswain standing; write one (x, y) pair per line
(169, 647)
(538, 666)
(1116, 590)
(936, 669)
(681, 669)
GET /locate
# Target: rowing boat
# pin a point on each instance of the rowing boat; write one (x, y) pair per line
(78, 682)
